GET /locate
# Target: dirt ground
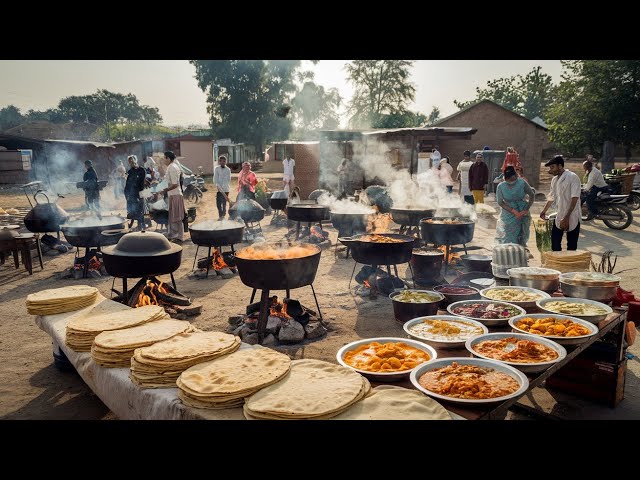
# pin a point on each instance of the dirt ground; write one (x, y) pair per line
(32, 388)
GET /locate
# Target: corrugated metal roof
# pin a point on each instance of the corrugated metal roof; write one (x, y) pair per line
(423, 130)
(81, 142)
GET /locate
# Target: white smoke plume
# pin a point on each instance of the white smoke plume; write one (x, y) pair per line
(343, 206)
(216, 225)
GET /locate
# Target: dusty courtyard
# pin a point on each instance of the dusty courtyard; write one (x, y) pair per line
(32, 388)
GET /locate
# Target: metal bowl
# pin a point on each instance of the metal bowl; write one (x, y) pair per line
(546, 285)
(441, 343)
(523, 367)
(589, 318)
(390, 376)
(456, 297)
(599, 294)
(520, 377)
(404, 311)
(523, 304)
(489, 322)
(561, 340)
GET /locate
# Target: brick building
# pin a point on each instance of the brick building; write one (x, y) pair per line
(498, 128)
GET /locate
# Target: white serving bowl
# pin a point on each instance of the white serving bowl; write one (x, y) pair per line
(561, 340)
(589, 318)
(527, 304)
(442, 343)
(489, 322)
(384, 376)
(420, 370)
(523, 367)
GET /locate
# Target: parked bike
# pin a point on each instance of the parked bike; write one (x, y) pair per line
(611, 209)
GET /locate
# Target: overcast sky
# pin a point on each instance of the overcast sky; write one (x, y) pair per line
(170, 84)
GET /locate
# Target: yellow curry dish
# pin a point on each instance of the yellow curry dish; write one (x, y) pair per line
(385, 357)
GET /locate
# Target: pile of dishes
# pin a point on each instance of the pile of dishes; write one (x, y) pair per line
(444, 331)
(527, 353)
(385, 359)
(592, 285)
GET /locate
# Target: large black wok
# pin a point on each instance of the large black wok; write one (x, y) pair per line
(44, 217)
(410, 216)
(378, 253)
(248, 210)
(205, 234)
(307, 212)
(457, 233)
(278, 274)
(87, 231)
(142, 254)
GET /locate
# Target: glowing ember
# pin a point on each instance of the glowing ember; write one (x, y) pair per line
(367, 284)
(148, 294)
(278, 309)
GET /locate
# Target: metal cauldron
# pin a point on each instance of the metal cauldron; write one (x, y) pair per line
(44, 217)
(379, 253)
(206, 235)
(457, 233)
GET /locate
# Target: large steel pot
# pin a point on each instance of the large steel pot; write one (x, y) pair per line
(142, 254)
(410, 216)
(447, 233)
(308, 212)
(378, 253)
(45, 217)
(349, 224)
(279, 274)
(205, 234)
(87, 232)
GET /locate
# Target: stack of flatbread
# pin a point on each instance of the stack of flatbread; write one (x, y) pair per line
(115, 348)
(313, 390)
(160, 365)
(61, 300)
(12, 211)
(388, 402)
(82, 329)
(568, 260)
(3, 211)
(226, 381)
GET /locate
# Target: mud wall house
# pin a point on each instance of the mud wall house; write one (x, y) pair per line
(195, 150)
(307, 157)
(399, 148)
(498, 128)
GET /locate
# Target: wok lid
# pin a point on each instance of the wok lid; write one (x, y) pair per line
(142, 244)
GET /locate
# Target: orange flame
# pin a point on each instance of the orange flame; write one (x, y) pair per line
(367, 284)
(278, 309)
(453, 257)
(217, 261)
(150, 299)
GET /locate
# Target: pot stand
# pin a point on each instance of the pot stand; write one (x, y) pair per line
(308, 227)
(125, 289)
(251, 228)
(265, 300)
(208, 256)
(87, 250)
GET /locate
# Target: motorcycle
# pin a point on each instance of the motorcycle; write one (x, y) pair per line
(191, 191)
(633, 200)
(611, 209)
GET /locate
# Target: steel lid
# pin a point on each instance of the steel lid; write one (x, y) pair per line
(142, 244)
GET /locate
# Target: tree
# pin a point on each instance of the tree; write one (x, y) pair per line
(248, 100)
(404, 119)
(598, 105)
(529, 96)
(434, 116)
(10, 117)
(382, 87)
(314, 108)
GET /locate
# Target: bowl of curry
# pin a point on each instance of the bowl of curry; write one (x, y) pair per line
(469, 380)
(385, 359)
(527, 353)
(444, 331)
(562, 329)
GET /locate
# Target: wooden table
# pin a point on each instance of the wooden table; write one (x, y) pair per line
(498, 411)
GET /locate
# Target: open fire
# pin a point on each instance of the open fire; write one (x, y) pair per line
(221, 263)
(453, 257)
(373, 281)
(379, 222)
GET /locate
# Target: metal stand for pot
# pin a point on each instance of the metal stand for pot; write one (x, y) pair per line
(85, 268)
(308, 226)
(125, 290)
(375, 267)
(209, 256)
(264, 308)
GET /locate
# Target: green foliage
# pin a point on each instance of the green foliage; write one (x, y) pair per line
(10, 117)
(314, 108)
(404, 119)
(434, 116)
(530, 95)
(381, 87)
(123, 132)
(598, 101)
(248, 100)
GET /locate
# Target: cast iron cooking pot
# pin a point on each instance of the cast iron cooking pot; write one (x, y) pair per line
(477, 263)
(410, 216)
(350, 223)
(87, 232)
(307, 212)
(379, 253)
(45, 217)
(141, 254)
(278, 274)
(457, 233)
(203, 236)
